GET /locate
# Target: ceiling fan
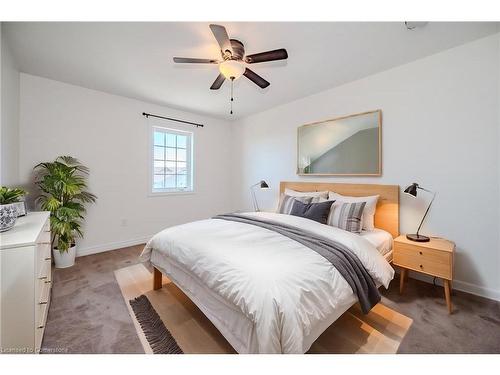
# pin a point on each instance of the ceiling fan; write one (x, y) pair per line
(232, 66)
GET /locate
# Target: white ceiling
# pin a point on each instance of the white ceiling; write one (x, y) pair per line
(135, 59)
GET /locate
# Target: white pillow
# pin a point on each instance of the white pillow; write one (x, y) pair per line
(314, 194)
(368, 218)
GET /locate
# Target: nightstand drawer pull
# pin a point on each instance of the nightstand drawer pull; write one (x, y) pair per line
(49, 258)
(40, 327)
(421, 266)
(43, 303)
(420, 252)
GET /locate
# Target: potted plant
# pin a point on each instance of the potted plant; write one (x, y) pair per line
(8, 211)
(63, 192)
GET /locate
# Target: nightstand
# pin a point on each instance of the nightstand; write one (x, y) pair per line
(434, 258)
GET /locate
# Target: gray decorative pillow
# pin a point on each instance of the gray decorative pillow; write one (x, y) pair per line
(347, 216)
(286, 203)
(314, 211)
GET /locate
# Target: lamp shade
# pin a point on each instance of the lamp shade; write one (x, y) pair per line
(264, 185)
(412, 189)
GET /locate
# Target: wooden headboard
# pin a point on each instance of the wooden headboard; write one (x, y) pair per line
(387, 213)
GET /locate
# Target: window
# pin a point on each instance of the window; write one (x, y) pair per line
(172, 157)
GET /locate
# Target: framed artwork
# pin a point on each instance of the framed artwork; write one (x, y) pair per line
(344, 146)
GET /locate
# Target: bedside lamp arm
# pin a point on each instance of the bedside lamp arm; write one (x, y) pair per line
(428, 207)
(254, 199)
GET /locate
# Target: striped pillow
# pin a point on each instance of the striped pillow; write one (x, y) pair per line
(286, 203)
(367, 221)
(347, 216)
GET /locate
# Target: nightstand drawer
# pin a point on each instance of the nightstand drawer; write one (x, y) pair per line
(433, 262)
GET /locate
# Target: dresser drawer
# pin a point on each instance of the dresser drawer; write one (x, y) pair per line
(42, 288)
(42, 257)
(44, 237)
(42, 301)
(430, 261)
(41, 312)
(46, 227)
(43, 281)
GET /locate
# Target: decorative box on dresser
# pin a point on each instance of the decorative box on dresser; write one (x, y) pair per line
(434, 258)
(25, 283)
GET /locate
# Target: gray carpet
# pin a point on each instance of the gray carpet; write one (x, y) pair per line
(473, 327)
(88, 314)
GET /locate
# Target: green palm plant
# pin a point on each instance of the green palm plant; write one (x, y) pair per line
(63, 192)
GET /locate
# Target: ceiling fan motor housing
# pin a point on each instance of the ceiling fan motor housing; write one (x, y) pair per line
(238, 50)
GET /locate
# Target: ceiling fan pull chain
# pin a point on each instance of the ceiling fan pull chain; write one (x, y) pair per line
(232, 99)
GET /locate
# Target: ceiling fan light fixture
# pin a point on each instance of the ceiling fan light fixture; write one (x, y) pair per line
(232, 69)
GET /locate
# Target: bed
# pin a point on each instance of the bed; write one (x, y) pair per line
(263, 291)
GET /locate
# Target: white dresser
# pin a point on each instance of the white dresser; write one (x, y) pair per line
(25, 283)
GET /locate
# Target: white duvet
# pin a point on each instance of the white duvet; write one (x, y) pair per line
(284, 288)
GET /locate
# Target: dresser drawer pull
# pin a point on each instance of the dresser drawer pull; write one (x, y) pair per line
(49, 258)
(42, 278)
(43, 302)
(421, 266)
(420, 253)
(40, 327)
(48, 282)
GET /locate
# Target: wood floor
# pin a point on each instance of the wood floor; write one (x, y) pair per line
(88, 313)
(380, 332)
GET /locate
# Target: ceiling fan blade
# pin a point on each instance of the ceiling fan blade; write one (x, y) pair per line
(190, 60)
(277, 54)
(220, 34)
(255, 78)
(218, 82)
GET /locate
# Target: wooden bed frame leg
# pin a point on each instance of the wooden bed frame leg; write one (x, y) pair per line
(157, 279)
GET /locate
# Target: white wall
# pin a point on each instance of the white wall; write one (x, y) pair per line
(9, 119)
(109, 135)
(440, 129)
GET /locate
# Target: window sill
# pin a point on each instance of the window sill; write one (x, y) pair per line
(168, 193)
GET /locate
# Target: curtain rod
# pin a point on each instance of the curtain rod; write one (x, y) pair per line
(172, 119)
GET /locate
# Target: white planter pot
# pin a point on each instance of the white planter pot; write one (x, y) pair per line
(65, 259)
(8, 216)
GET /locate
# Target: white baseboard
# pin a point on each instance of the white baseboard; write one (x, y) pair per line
(462, 286)
(110, 246)
(477, 290)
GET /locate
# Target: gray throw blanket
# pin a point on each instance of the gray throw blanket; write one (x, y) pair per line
(343, 259)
